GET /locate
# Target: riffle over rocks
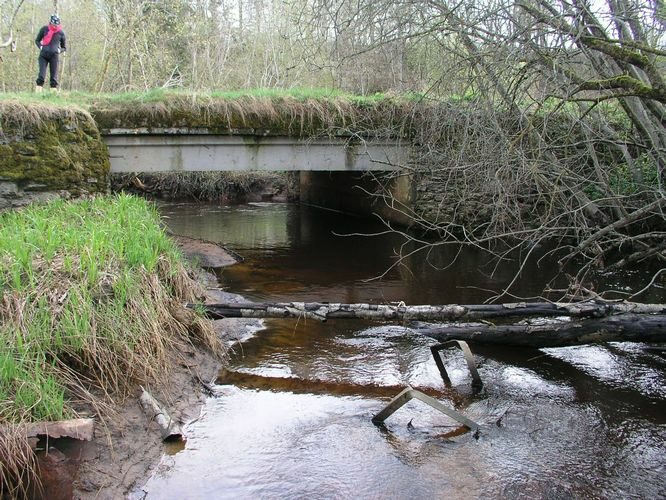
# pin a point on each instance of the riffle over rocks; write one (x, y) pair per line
(48, 152)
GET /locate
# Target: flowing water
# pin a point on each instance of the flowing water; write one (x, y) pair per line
(292, 414)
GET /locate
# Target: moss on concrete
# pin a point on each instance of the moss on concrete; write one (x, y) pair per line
(51, 149)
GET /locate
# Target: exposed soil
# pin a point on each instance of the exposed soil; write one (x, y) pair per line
(126, 449)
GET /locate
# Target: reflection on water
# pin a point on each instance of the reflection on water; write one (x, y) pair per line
(293, 416)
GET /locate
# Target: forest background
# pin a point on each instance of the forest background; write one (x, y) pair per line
(128, 45)
(546, 118)
(362, 46)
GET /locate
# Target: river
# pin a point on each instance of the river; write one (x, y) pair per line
(292, 415)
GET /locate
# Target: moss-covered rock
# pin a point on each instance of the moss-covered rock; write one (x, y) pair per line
(51, 149)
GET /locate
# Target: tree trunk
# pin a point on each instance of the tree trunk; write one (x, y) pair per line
(620, 328)
(401, 312)
(596, 321)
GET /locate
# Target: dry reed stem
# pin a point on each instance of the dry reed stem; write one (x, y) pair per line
(21, 116)
(17, 463)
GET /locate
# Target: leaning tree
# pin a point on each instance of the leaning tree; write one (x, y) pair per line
(8, 12)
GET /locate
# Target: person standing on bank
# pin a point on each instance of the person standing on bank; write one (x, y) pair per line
(51, 42)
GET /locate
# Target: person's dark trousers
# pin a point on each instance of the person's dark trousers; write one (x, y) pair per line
(50, 60)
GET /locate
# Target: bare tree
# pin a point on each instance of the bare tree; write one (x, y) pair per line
(7, 23)
(542, 121)
(539, 119)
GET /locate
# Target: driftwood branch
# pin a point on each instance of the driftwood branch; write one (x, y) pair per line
(169, 427)
(402, 312)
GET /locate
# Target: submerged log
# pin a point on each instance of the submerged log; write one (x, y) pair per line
(401, 312)
(618, 328)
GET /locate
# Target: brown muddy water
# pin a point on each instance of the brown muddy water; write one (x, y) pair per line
(292, 415)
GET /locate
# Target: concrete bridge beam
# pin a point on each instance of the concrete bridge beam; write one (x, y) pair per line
(334, 172)
(168, 151)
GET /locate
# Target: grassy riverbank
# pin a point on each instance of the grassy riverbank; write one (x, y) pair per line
(90, 305)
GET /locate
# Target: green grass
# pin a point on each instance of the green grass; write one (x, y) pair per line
(92, 232)
(88, 100)
(83, 294)
(623, 182)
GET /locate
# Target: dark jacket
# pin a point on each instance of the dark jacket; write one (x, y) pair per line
(57, 45)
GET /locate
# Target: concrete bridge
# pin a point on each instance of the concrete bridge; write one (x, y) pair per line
(331, 169)
(190, 150)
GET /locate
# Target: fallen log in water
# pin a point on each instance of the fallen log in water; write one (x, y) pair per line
(401, 312)
(588, 322)
(618, 328)
(297, 385)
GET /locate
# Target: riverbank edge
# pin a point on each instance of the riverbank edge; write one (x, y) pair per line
(40, 262)
(127, 450)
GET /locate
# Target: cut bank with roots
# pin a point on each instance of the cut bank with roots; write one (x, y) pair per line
(91, 298)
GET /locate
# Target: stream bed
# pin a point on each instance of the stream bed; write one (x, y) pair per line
(292, 413)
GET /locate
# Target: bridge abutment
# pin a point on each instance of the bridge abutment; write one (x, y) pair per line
(364, 193)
